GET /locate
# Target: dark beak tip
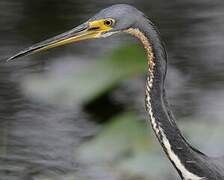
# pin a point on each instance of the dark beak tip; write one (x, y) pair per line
(9, 59)
(5, 60)
(40, 45)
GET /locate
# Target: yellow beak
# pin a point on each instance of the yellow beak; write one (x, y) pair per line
(85, 31)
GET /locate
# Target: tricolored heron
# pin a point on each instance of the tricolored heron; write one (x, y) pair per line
(190, 163)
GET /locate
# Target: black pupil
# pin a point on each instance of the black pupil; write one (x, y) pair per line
(108, 23)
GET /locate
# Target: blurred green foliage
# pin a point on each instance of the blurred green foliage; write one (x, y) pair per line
(91, 80)
(124, 135)
(124, 146)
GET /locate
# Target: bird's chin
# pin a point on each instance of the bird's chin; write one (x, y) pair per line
(107, 34)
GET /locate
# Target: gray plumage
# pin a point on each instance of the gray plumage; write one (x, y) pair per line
(193, 160)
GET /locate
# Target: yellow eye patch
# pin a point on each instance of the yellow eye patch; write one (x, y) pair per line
(101, 25)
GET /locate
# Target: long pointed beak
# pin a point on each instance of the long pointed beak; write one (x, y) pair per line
(79, 33)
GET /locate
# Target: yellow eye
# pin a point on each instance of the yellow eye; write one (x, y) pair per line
(109, 22)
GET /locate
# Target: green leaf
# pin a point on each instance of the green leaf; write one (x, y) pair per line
(124, 135)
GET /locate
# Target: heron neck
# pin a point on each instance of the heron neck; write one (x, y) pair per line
(183, 156)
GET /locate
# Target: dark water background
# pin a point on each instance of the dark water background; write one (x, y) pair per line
(38, 138)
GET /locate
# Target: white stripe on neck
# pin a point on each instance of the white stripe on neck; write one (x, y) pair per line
(187, 175)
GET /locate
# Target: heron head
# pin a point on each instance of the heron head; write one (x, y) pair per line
(115, 19)
(109, 21)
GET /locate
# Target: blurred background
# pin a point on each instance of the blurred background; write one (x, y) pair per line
(77, 112)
